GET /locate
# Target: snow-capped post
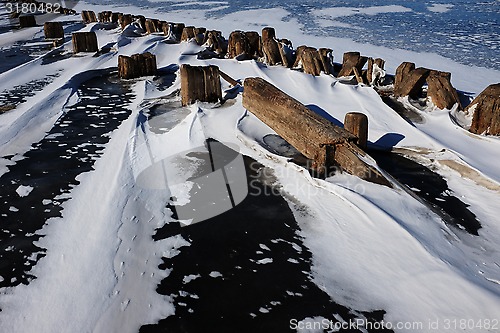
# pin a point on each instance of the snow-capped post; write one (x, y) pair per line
(350, 60)
(85, 42)
(137, 65)
(200, 83)
(409, 81)
(27, 21)
(486, 109)
(315, 137)
(89, 16)
(53, 30)
(371, 73)
(357, 124)
(440, 90)
(174, 30)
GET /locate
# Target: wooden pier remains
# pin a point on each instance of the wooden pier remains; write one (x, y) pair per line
(326, 144)
(200, 83)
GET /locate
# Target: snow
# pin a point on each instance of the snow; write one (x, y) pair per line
(372, 247)
(440, 7)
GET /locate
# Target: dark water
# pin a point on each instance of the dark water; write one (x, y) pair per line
(431, 187)
(51, 166)
(254, 270)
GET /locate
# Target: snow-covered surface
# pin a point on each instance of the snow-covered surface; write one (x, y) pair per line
(372, 247)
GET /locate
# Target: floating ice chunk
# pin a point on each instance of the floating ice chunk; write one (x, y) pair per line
(190, 278)
(24, 191)
(265, 261)
(215, 274)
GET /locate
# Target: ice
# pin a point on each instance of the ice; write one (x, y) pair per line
(24, 191)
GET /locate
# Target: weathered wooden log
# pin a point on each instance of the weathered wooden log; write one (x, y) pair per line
(441, 91)
(85, 42)
(200, 84)
(137, 65)
(412, 82)
(268, 33)
(371, 73)
(350, 60)
(357, 124)
(53, 30)
(89, 16)
(27, 21)
(199, 35)
(486, 109)
(315, 137)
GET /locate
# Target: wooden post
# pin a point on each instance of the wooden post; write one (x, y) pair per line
(411, 82)
(441, 91)
(85, 42)
(486, 109)
(215, 42)
(200, 84)
(357, 124)
(187, 34)
(268, 33)
(150, 26)
(89, 16)
(370, 78)
(350, 60)
(315, 137)
(125, 21)
(53, 30)
(272, 52)
(326, 59)
(137, 65)
(238, 45)
(255, 43)
(27, 21)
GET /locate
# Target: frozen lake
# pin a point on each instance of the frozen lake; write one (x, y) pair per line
(466, 31)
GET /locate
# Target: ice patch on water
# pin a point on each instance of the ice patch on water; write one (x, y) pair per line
(440, 7)
(24, 191)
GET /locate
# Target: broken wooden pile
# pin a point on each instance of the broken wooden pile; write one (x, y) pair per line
(486, 109)
(409, 81)
(315, 137)
(137, 65)
(89, 16)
